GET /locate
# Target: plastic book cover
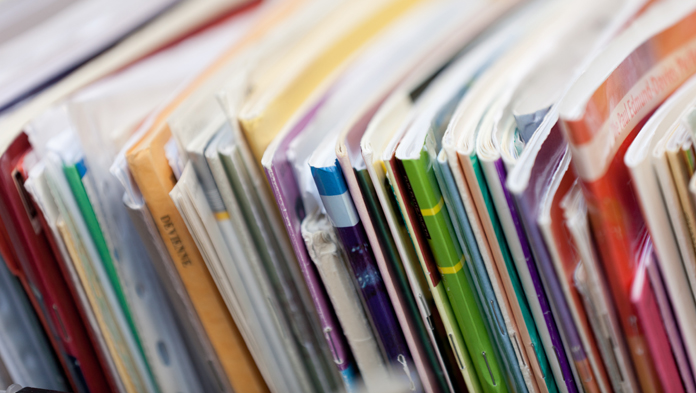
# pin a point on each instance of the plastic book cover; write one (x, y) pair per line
(326, 252)
(287, 194)
(203, 356)
(528, 203)
(565, 259)
(110, 317)
(73, 174)
(600, 118)
(341, 210)
(32, 261)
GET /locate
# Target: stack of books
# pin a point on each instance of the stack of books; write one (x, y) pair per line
(482, 196)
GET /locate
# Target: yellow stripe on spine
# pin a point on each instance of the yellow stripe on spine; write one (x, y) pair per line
(452, 270)
(434, 210)
(220, 216)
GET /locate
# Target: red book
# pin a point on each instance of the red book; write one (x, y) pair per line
(601, 115)
(29, 255)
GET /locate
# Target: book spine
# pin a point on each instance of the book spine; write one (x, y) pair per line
(427, 332)
(287, 196)
(340, 209)
(154, 179)
(468, 369)
(325, 252)
(74, 177)
(428, 203)
(204, 358)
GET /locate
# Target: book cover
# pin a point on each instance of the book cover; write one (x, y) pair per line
(565, 260)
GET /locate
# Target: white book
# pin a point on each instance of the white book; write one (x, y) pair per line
(607, 328)
(37, 186)
(327, 254)
(131, 366)
(645, 172)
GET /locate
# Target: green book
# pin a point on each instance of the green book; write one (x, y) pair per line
(379, 221)
(435, 283)
(451, 261)
(74, 173)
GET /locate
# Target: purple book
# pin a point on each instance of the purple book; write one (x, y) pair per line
(546, 161)
(541, 296)
(287, 194)
(341, 210)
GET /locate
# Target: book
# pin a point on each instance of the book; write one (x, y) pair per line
(591, 283)
(645, 303)
(459, 144)
(309, 63)
(327, 253)
(141, 158)
(340, 209)
(602, 170)
(642, 160)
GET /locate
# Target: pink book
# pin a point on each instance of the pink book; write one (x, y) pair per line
(650, 320)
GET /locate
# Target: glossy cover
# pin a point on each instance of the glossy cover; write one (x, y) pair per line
(31, 259)
(607, 120)
(565, 261)
(341, 210)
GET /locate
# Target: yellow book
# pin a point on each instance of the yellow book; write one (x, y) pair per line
(281, 91)
(151, 171)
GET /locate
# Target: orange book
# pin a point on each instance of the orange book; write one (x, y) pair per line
(604, 111)
(151, 171)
